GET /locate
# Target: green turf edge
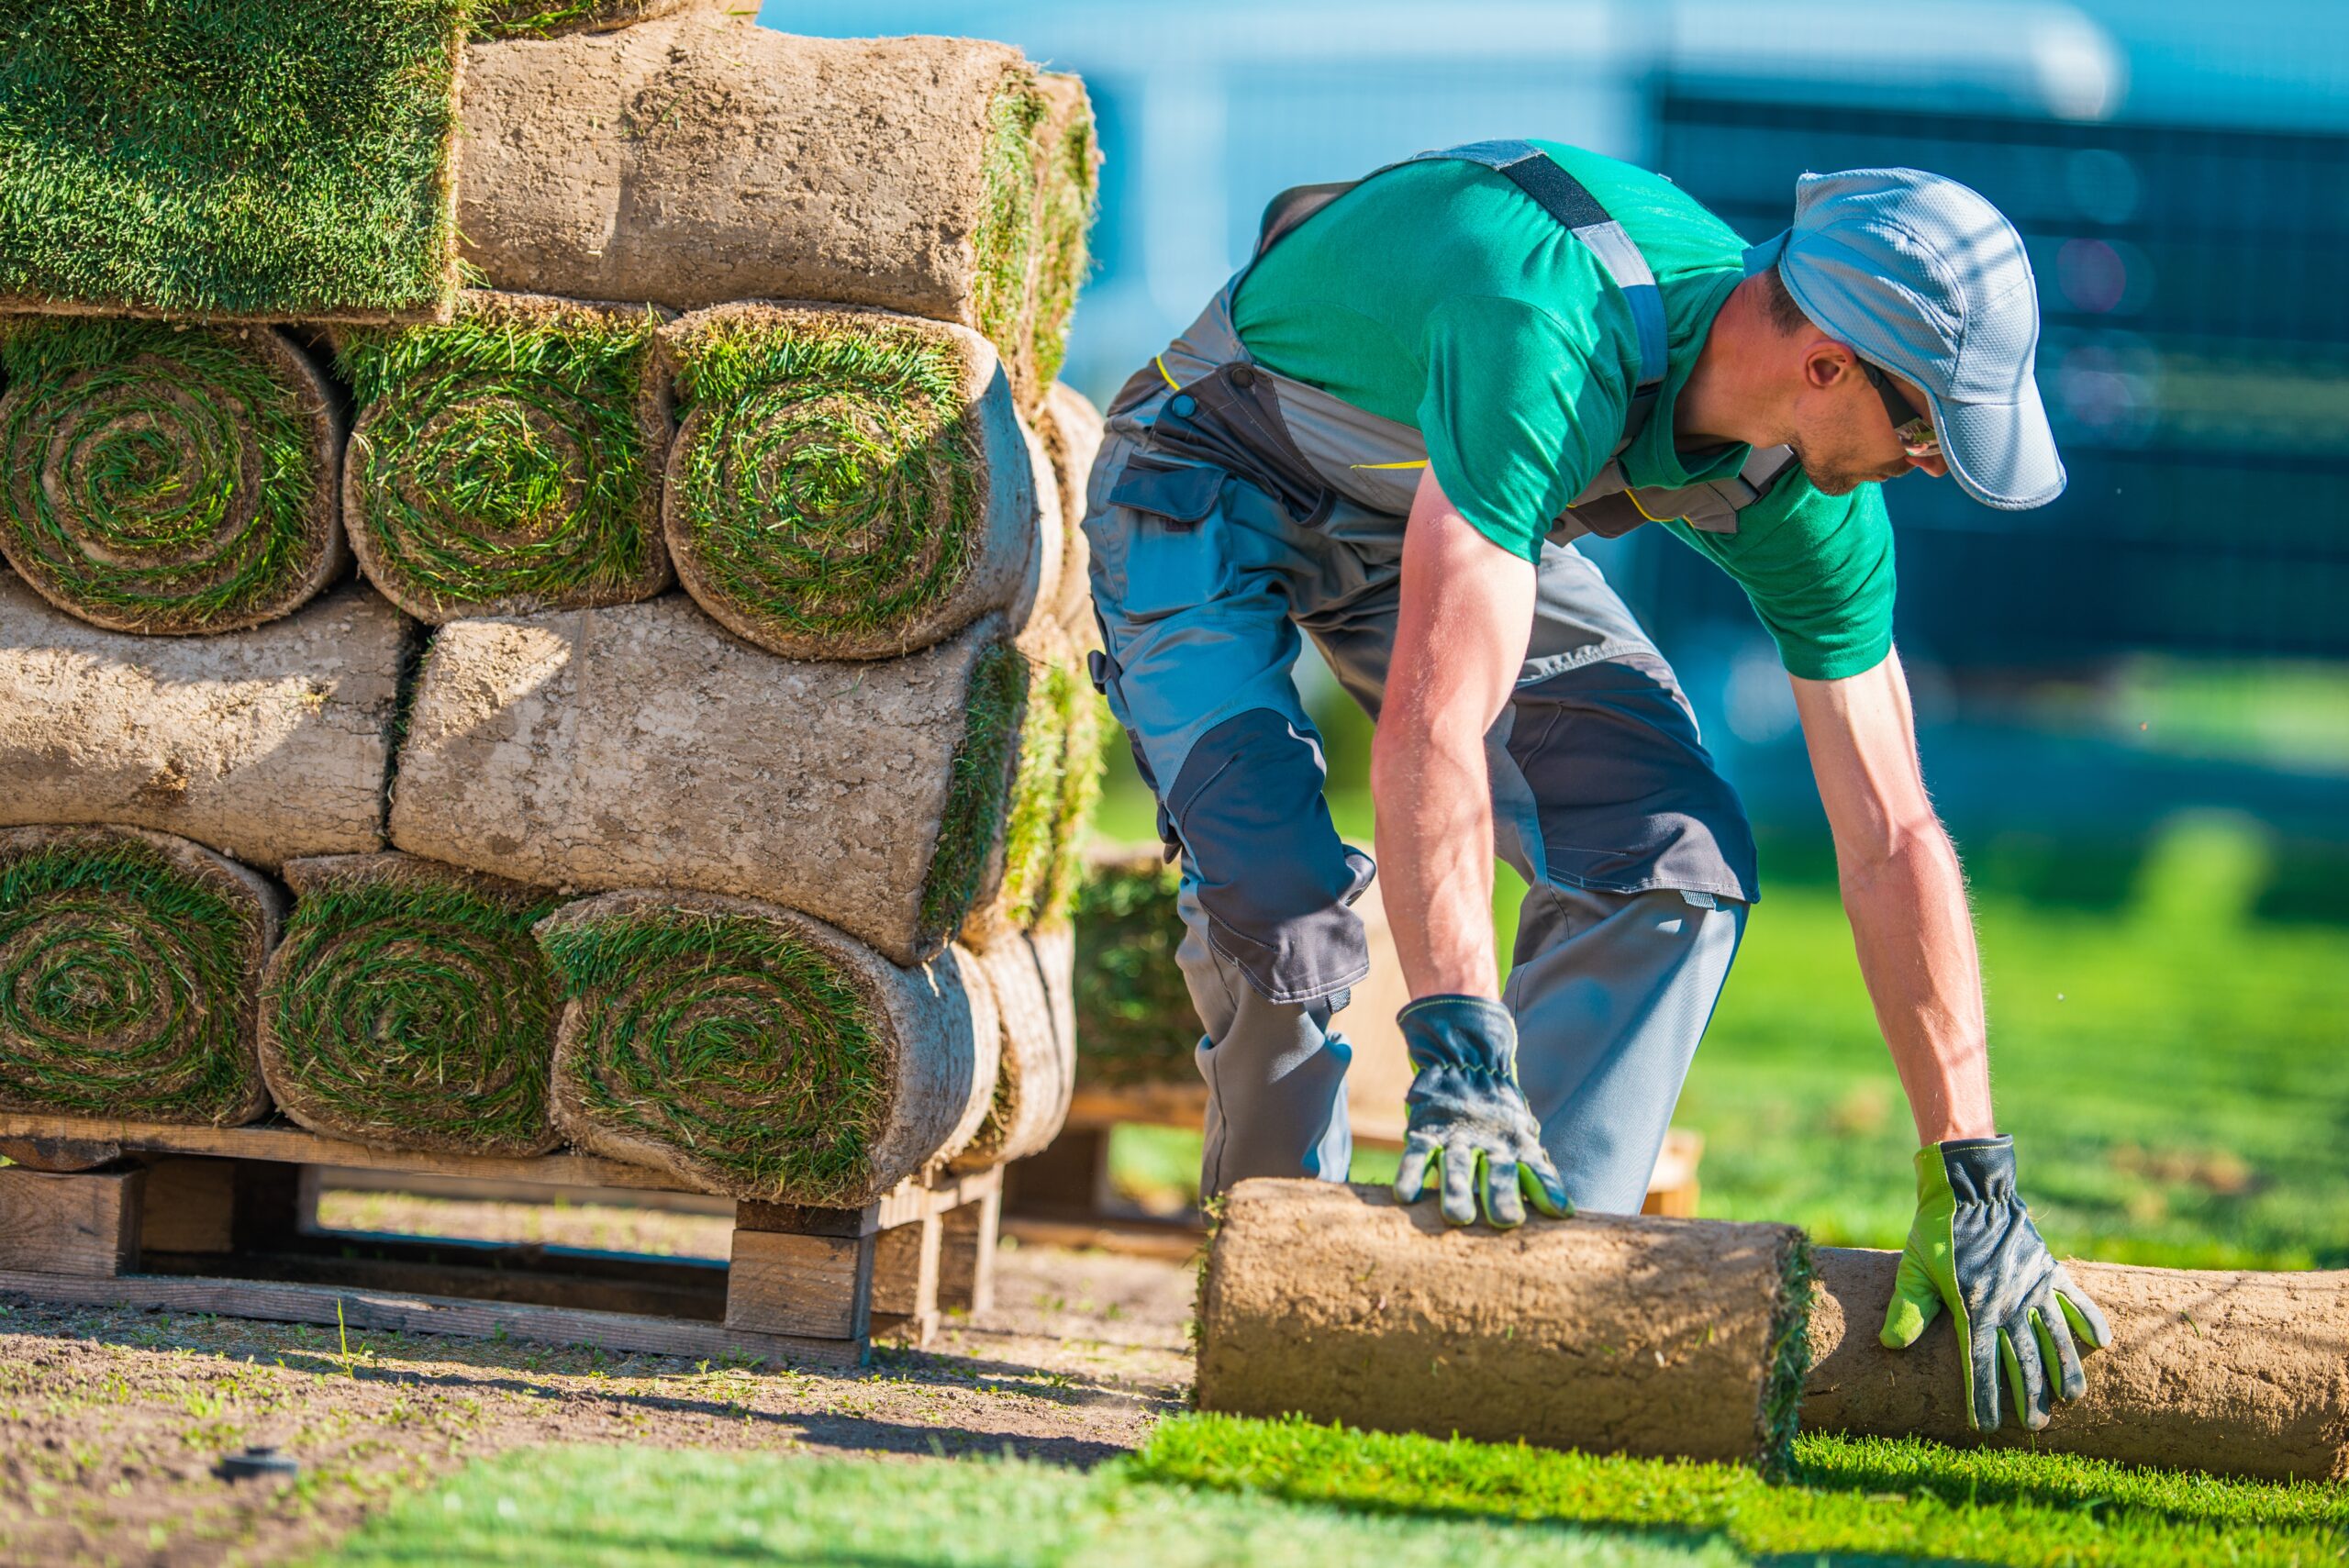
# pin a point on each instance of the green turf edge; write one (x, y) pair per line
(54, 365)
(253, 161)
(210, 945)
(582, 372)
(454, 1048)
(799, 1133)
(1859, 1496)
(1788, 1359)
(1085, 718)
(1005, 237)
(1134, 1020)
(1032, 811)
(496, 19)
(978, 789)
(1068, 200)
(809, 466)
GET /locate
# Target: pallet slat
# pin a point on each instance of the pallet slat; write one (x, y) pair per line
(84, 1224)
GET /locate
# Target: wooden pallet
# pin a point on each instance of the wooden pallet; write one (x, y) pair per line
(223, 1220)
(1062, 1196)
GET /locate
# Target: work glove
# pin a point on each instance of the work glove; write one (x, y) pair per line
(1468, 1119)
(1973, 1250)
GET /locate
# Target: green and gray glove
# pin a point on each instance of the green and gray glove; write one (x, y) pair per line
(1973, 1250)
(1468, 1118)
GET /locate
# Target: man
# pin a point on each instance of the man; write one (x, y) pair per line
(1385, 432)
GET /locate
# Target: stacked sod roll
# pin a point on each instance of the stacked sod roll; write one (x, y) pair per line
(637, 704)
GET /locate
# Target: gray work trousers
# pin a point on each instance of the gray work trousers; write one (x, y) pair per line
(1640, 861)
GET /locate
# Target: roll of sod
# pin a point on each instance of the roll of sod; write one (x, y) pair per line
(129, 965)
(167, 479)
(248, 161)
(408, 1007)
(1072, 429)
(1020, 867)
(510, 459)
(1068, 189)
(844, 483)
(553, 18)
(753, 1052)
(700, 157)
(264, 744)
(1665, 1338)
(1036, 1071)
(2235, 1374)
(1034, 611)
(644, 747)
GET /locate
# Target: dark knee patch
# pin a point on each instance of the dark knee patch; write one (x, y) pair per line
(1625, 793)
(1274, 878)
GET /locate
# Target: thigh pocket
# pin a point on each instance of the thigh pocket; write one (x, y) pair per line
(1160, 545)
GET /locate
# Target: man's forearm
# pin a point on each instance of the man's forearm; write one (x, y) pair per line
(1435, 838)
(1906, 900)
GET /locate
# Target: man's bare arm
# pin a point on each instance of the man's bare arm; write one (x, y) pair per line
(1466, 616)
(1904, 894)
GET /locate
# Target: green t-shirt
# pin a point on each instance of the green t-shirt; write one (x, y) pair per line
(1441, 296)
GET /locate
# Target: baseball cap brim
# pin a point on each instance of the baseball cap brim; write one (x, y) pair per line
(2002, 454)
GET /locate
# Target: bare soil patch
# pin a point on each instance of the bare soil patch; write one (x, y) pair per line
(111, 1420)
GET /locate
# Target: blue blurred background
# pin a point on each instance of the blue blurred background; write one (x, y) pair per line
(2133, 703)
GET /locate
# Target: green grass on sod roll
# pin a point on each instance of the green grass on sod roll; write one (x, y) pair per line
(1086, 719)
(977, 791)
(1005, 237)
(1036, 785)
(729, 1039)
(830, 482)
(1134, 1019)
(546, 18)
(507, 455)
(1067, 200)
(157, 475)
(125, 983)
(264, 159)
(414, 1011)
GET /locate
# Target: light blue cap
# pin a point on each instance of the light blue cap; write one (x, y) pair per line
(1924, 278)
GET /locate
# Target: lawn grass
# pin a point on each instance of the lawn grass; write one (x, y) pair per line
(262, 161)
(580, 1507)
(1867, 1497)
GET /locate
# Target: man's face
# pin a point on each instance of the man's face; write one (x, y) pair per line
(1843, 436)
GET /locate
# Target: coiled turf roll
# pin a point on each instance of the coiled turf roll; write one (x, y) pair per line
(845, 483)
(509, 460)
(409, 1007)
(757, 1052)
(1035, 1075)
(130, 962)
(1056, 783)
(1068, 195)
(167, 479)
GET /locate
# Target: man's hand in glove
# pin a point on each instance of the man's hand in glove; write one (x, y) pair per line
(1468, 1118)
(1974, 1249)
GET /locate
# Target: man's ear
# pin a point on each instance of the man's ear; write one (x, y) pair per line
(1825, 364)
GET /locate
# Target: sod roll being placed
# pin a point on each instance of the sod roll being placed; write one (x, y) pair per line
(844, 483)
(1037, 1069)
(241, 158)
(644, 747)
(129, 962)
(753, 1052)
(264, 744)
(700, 157)
(1072, 429)
(2238, 1374)
(1613, 1334)
(408, 1007)
(167, 479)
(510, 459)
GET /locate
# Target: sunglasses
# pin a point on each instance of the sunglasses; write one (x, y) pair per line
(1918, 437)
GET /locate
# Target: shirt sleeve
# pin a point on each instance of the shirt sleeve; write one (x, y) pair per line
(1519, 414)
(1819, 571)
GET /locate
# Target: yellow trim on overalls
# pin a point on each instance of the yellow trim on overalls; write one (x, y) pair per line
(1160, 361)
(1421, 463)
(1633, 497)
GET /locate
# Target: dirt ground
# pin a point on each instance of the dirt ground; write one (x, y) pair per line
(111, 1421)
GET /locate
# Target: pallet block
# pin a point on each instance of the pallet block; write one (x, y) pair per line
(223, 1220)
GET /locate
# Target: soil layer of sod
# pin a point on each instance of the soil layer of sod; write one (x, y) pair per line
(129, 965)
(160, 479)
(508, 461)
(409, 1007)
(229, 161)
(844, 483)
